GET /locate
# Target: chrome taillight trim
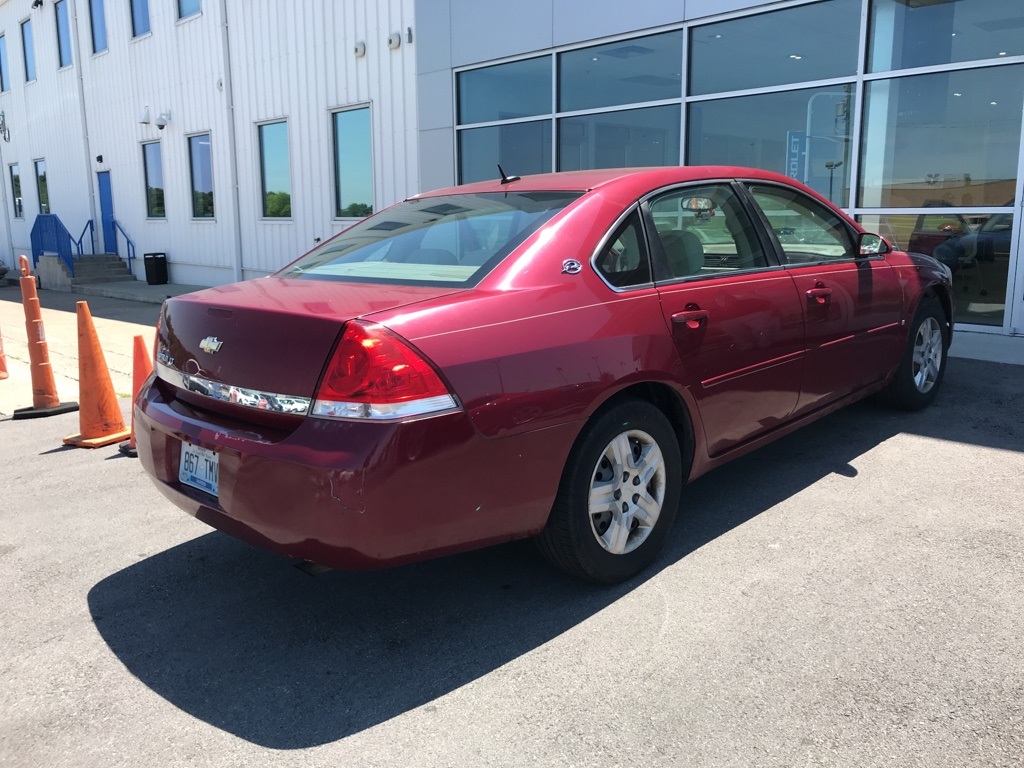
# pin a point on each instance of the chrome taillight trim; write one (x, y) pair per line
(244, 396)
(412, 409)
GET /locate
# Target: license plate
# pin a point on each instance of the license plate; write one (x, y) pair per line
(199, 468)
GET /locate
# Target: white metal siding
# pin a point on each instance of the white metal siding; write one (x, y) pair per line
(296, 61)
(290, 59)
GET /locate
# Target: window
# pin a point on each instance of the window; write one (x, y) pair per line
(905, 35)
(4, 77)
(623, 261)
(19, 210)
(948, 136)
(804, 134)
(98, 15)
(520, 148)
(633, 137)
(188, 8)
(154, 171)
(447, 240)
(28, 50)
(353, 163)
(975, 247)
(505, 91)
(807, 231)
(41, 189)
(63, 33)
(810, 42)
(624, 72)
(704, 231)
(202, 176)
(274, 170)
(140, 17)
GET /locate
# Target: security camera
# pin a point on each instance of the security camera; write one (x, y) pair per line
(162, 119)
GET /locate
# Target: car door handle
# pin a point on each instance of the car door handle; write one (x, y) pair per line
(819, 295)
(691, 318)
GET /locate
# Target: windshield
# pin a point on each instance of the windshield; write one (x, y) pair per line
(449, 240)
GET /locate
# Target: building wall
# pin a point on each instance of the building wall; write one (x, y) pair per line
(224, 71)
(909, 115)
(459, 33)
(45, 122)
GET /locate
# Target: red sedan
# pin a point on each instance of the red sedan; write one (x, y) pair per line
(554, 356)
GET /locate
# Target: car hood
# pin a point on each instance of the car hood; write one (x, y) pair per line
(270, 334)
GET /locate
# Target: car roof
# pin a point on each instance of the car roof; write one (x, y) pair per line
(632, 179)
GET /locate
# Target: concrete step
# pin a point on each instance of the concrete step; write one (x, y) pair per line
(101, 279)
(100, 270)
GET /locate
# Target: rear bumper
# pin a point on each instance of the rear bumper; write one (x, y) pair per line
(357, 496)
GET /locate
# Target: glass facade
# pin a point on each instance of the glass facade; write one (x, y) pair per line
(908, 113)
(188, 8)
(98, 17)
(42, 190)
(201, 162)
(154, 170)
(4, 76)
(275, 171)
(353, 163)
(140, 17)
(60, 9)
(19, 208)
(28, 51)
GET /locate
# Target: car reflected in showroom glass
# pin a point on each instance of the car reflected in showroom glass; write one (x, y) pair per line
(553, 357)
(974, 246)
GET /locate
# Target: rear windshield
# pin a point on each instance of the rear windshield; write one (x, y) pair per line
(449, 240)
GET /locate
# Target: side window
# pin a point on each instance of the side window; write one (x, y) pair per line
(623, 261)
(704, 231)
(807, 231)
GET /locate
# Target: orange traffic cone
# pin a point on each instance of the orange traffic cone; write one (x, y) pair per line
(3, 359)
(142, 366)
(44, 390)
(99, 419)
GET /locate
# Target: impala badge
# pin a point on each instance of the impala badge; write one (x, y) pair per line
(571, 267)
(210, 345)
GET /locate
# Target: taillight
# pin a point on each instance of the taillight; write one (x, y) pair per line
(373, 374)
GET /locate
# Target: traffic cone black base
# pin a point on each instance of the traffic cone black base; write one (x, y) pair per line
(38, 413)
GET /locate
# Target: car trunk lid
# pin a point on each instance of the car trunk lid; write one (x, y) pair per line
(269, 335)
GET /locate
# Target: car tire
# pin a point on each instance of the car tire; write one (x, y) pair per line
(916, 382)
(618, 495)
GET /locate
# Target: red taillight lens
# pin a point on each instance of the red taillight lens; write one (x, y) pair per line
(373, 374)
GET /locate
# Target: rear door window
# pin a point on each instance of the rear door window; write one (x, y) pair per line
(703, 231)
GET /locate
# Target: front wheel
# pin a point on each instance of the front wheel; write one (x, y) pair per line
(618, 495)
(917, 380)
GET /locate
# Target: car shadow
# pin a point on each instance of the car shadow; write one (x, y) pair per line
(240, 640)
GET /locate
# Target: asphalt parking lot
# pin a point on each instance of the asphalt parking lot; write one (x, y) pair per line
(851, 596)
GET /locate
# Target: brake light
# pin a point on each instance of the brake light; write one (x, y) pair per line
(373, 374)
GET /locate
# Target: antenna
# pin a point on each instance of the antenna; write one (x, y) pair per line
(507, 179)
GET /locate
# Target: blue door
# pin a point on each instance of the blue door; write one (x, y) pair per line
(107, 213)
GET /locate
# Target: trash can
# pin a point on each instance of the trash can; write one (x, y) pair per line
(156, 268)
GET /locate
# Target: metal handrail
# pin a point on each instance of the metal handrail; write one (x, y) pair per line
(128, 242)
(50, 234)
(92, 236)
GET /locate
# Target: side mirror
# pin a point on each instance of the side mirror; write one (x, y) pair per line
(869, 244)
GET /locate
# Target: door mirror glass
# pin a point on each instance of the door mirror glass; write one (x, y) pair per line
(872, 245)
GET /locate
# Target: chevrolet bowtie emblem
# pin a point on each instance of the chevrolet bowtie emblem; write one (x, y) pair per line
(210, 345)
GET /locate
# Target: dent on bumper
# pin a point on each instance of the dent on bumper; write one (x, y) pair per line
(358, 496)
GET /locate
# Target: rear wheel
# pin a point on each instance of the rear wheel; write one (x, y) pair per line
(618, 495)
(916, 382)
